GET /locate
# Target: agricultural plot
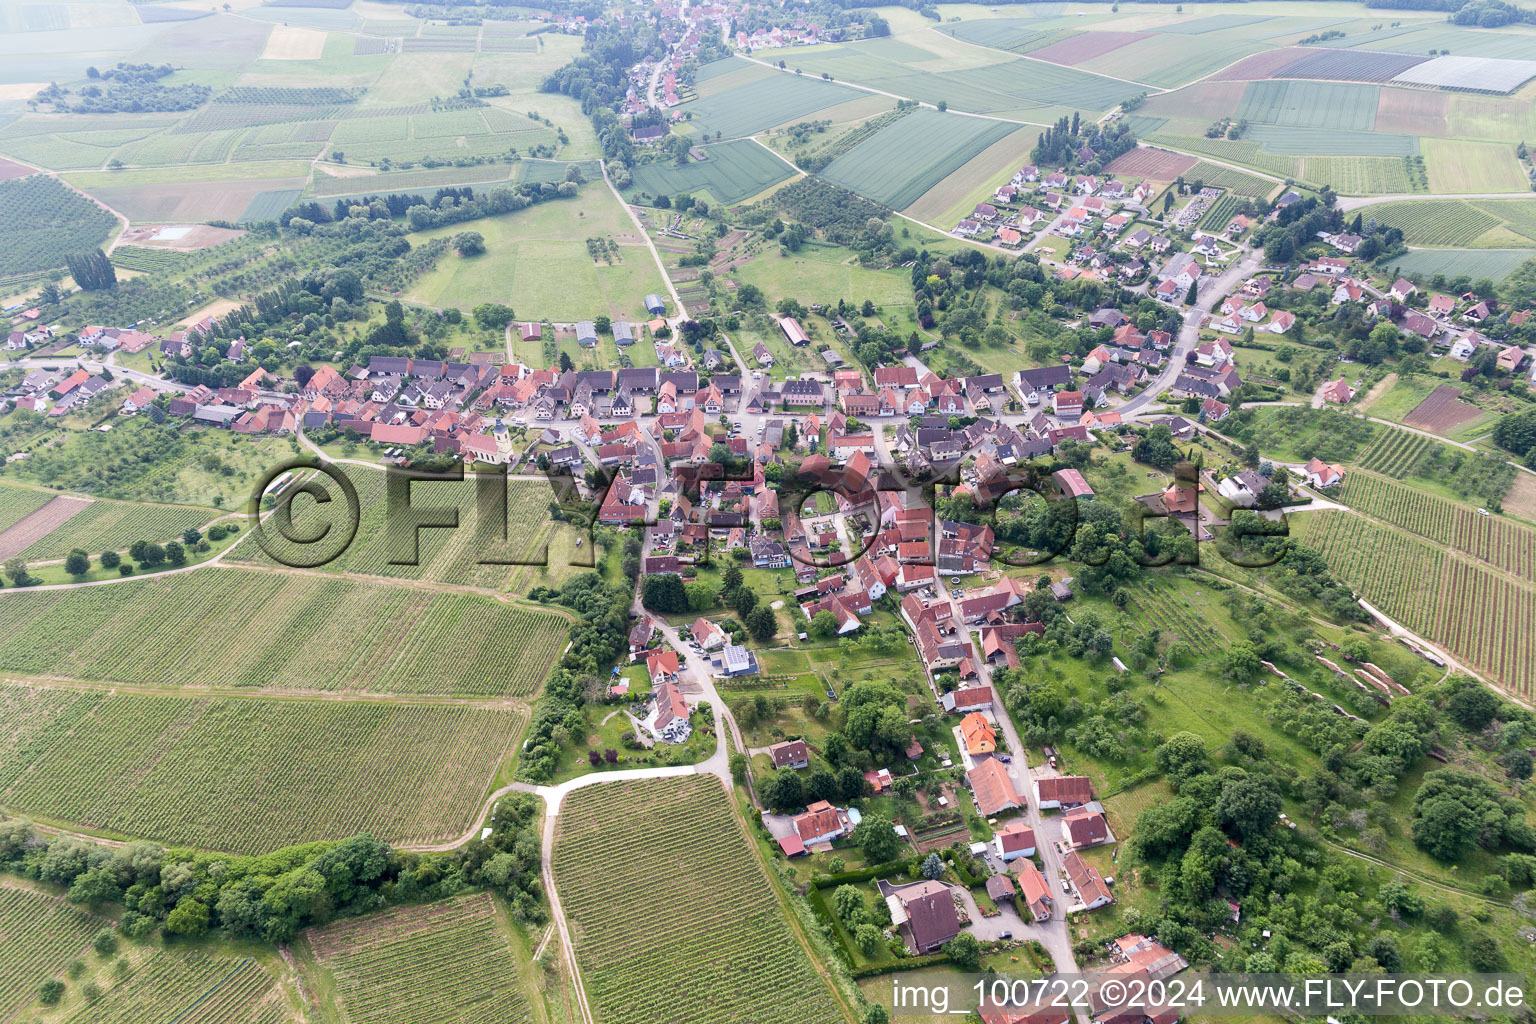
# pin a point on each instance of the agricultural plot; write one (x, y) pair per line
(746, 110)
(1459, 166)
(1157, 606)
(1234, 180)
(188, 988)
(1146, 162)
(1394, 453)
(1169, 61)
(1085, 46)
(1239, 151)
(1349, 65)
(733, 172)
(42, 933)
(1452, 222)
(1322, 142)
(42, 221)
(16, 503)
(38, 524)
(249, 775)
(1494, 264)
(721, 951)
(1260, 66)
(1201, 101)
(1359, 175)
(1413, 112)
(149, 261)
(907, 158)
(1490, 621)
(113, 526)
(440, 963)
(315, 634)
(1475, 74)
(1441, 412)
(1337, 105)
(1392, 570)
(1493, 539)
(1017, 35)
(269, 205)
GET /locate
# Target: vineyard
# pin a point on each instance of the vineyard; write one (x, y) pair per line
(1164, 608)
(41, 934)
(148, 260)
(248, 775)
(444, 556)
(16, 503)
(1493, 539)
(1450, 222)
(1394, 453)
(313, 96)
(233, 627)
(442, 962)
(42, 221)
(1482, 617)
(113, 525)
(671, 915)
(187, 988)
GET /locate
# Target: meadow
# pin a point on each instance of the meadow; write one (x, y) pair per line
(248, 774)
(734, 172)
(1457, 165)
(314, 634)
(898, 164)
(707, 939)
(437, 962)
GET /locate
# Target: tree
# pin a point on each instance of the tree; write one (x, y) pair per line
(965, 951)
(1248, 806)
(78, 563)
(492, 316)
(848, 904)
(50, 992)
(16, 570)
(738, 765)
(783, 791)
(664, 593)
(190, 918)
(1474, 707)
(933, 867)
(469, 243)
(1182, 758)
(823, 625)
(761, 623)
(98, 885)
(1241, 661)
(875, 836)
(175, 554)
(1193, 295)
(110, 559)
(868, 938)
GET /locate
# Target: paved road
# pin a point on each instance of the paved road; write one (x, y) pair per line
(96, 366)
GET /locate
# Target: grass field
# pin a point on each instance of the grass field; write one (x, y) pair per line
(734, 171)
(1456, 165)
(720, 951)
(42, 933)
(536, 261)
(447, 961)
(898, 164)
(315, 634)
(779, 99)
(1495, 264)
(248, 775)
(1333, 105)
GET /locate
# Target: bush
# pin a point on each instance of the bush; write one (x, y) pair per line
(105, 942)
(50, 992)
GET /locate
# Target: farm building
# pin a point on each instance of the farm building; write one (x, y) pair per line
(655, 306)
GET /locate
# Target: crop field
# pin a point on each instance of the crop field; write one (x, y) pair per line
(1222, 211)
(1360, 175)
(1260, 66)
(1240, 151)
(1201, 101)
(42, 933)
(1441, 412)
(16, 503)
(1400, 575)
(746, 110)
(269, 205)
(1456, 165)
(1233, 180)
(1336, 105)
(1156, 606)
(1495, 264)
(188, 988)
(1083, 47)
(113, 525)
(1157, 164)
(1434, 221)
(1518, 215)
(249, 774)
(1349, 65)
(1322, 142)
(1493, 539)
(1491, 621)
(39, 524)
(315, 634)
(1413, 112)
(721, 951)
(1017, 35)
(909, 157)
(1478, 74)
(439, 962)
(42, 221)
(1394, 453)
(734, 171)
(1169, 61)
(148, 260)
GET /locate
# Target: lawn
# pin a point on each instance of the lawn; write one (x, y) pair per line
(536, 261)
(824, 273)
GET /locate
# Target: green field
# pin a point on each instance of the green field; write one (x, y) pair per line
(1451, 222)
(536, 261)
(733, 172)
(42, 933)
(779, 99)
(1324, 142)
(1492, 539)
(719, 950)
(1495, 264)
(1336, 105)
(16, 503)
(1360, 175)
(898, 164)
(1456, 165)
(437, 962)
(248, 775)
(1237, 181)
(314, 634)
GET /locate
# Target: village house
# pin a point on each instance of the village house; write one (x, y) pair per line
(790, 754)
